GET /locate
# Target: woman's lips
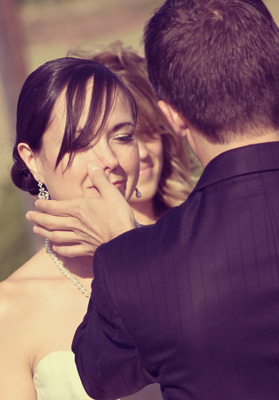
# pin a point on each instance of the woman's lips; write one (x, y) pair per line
(145, 170)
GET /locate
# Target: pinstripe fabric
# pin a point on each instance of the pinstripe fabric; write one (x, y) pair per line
(193, 301)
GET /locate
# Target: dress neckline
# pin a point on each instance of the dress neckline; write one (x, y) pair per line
(51, 355)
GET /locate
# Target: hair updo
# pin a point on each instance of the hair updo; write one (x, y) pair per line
(37, 100)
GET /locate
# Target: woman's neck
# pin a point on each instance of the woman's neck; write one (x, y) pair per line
(144, 212)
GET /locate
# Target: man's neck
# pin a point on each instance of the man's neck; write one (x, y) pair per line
(206, 151)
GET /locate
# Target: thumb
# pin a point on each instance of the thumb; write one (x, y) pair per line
(100, 180)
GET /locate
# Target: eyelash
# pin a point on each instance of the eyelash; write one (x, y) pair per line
(123, 139)
(126, 138)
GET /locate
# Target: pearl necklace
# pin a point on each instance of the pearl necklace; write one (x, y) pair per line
(64, 271)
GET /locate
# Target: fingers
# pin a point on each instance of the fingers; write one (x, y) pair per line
(49, 206)
(100, 180)
(76, 250)
(51, 222)
(56, 236)
(59, 208)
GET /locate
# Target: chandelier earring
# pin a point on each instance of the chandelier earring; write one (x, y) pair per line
(138, 193)
(43, 193)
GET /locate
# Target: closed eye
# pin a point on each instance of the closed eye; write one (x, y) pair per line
(125, 137)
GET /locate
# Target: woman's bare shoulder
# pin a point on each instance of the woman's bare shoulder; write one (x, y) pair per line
(19, 301)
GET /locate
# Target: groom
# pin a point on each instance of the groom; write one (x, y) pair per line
(192, 302)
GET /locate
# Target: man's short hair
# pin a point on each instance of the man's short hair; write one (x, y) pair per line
(217, 63)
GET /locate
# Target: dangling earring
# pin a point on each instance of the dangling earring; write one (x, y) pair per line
(43, 193)
(138, 193)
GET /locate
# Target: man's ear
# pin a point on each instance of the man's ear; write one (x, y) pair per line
(178, 123)
(28, 156)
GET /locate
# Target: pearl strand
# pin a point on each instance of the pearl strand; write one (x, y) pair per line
(64, 271)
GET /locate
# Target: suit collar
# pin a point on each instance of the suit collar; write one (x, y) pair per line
(241, 161)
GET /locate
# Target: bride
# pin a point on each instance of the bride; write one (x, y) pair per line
(72, 113)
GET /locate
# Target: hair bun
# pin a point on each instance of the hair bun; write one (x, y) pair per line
(22, 177)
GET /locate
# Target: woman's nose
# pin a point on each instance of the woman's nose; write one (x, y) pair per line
(105, 155)
(143, 151)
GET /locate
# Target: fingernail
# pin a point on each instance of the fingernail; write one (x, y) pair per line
(28, 216)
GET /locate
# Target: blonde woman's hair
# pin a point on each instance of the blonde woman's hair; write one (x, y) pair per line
(177, 179)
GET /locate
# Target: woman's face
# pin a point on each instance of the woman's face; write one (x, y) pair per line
(115, 151)
(151, 165)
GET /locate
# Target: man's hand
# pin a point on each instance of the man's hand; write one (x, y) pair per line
(77, 227)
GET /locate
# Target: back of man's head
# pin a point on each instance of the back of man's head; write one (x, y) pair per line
(216, 62)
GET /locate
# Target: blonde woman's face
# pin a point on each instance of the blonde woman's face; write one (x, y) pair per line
(151, 165)
(115, 151)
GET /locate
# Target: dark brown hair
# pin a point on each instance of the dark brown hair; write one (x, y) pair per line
(217, 63)
(38, 98)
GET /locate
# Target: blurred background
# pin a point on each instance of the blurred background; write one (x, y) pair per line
(31, 33)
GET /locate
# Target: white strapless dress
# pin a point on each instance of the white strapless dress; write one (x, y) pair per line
(56, 378)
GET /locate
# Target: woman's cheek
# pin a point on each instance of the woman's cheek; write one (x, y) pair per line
(136, 163)
(136, 170)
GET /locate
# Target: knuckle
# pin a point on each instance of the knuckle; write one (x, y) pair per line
(82, 207)
(70, 253)
(44, 220)
(79, 226)
(51, 206)
(55, 237)
(66, 251)
(77, 208)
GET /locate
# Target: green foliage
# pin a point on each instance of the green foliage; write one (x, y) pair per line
(14, 246)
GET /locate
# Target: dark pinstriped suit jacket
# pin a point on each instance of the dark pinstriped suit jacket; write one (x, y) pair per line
(193, 301)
